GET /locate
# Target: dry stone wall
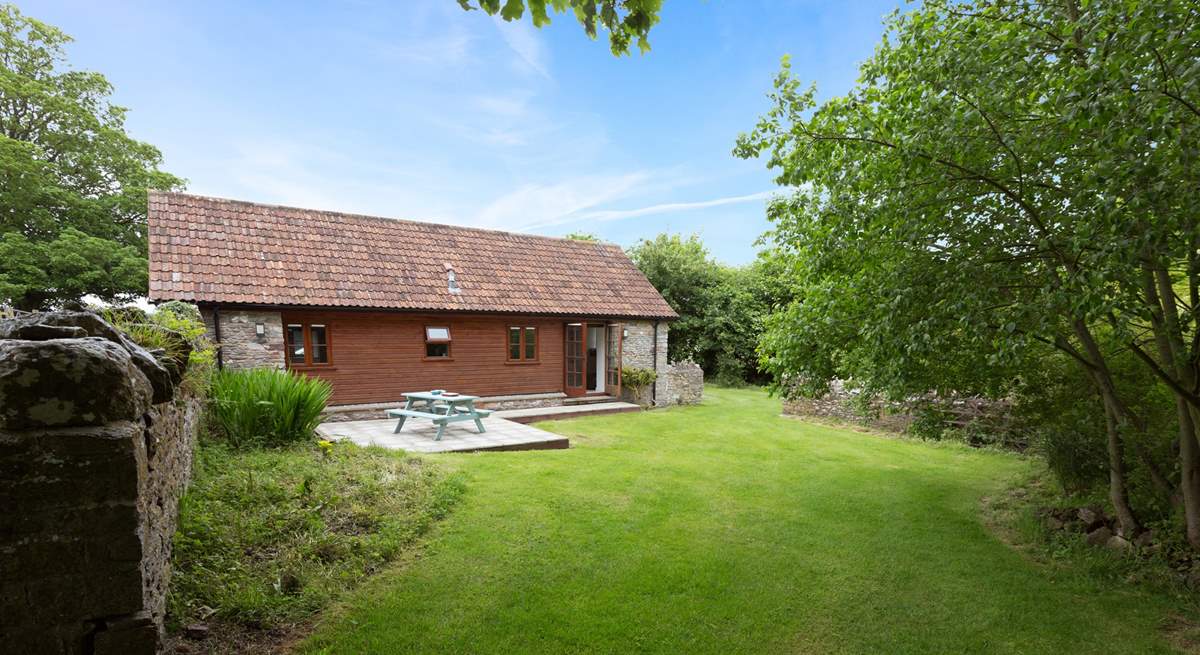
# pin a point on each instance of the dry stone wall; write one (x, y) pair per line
(959, 412)
(842, 403)
(95, 450)
(685, 383)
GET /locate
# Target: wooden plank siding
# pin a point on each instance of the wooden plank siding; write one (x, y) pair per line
(377, 356)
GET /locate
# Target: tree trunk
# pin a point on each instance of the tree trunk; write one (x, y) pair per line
(1114, 412)
(1168, 336)
(1189, 469)
(1128, 525)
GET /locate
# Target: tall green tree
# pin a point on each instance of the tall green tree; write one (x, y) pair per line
(682, 271)
(627, 21)
(72, 182)
(722, 309)
(1005, 176)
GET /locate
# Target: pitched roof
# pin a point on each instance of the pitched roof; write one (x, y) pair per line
(227, 251)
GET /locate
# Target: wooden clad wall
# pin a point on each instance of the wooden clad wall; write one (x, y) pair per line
(378, 356)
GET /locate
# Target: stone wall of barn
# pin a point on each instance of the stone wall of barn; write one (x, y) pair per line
(240, 344)
(95, 451)
(639, 351)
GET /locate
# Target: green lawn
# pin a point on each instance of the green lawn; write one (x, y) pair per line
(726, 528)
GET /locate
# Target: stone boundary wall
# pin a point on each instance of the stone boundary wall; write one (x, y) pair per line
(685, 383)
(95, 451)
(839, 404)
(240, 345)
(959, 412)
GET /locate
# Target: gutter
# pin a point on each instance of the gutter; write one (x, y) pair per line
(431, 310)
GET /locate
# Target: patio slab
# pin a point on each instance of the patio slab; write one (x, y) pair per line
(532, 414)
(418, 436)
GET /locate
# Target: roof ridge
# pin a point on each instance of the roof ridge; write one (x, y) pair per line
(267, 205)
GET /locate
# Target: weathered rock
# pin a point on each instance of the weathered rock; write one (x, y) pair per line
(1118, 543)
(1145, 539)
(1099, 536)
(92, 478)
(89, 324)
(196, 631)
(1091, 517)
(69, 382)
(43, 332)
(133, 635)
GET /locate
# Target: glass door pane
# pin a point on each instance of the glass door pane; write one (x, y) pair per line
(612, 355)
(575, 359)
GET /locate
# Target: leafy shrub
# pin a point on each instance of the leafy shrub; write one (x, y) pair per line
(636, 379)
(930, 422)
(1064, 417)
(266, 408)
(174, 327)
(1074, 453)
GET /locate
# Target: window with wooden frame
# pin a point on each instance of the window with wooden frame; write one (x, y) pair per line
(307, 344)
(437, 342)
(522, 344)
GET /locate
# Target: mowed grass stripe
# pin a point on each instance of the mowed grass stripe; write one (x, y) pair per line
(727, 528)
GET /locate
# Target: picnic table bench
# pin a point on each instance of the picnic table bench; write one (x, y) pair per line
(441, 409)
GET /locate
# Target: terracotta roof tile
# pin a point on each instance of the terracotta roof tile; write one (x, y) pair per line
(227, 251)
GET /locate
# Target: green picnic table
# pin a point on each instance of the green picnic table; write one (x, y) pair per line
(440, 408)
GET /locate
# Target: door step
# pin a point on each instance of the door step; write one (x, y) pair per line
(566, 411)
(589, 400)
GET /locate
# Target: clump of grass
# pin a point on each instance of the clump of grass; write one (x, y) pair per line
(268, 537)
(266, 408)
(177, 329)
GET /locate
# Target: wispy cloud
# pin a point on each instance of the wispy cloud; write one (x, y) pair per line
(303, 174)
(669, 207)
(522, 37)
(539, 205)
(443, 49)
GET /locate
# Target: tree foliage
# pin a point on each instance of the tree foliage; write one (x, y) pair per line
(627, 21)
(722, 309)
(1005, 177)
(72, 182)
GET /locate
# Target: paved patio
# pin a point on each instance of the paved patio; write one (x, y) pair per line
(417, 435)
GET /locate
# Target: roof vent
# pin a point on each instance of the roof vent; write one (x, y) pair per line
(451, 279)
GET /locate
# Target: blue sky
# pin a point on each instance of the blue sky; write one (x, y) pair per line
(420, 110)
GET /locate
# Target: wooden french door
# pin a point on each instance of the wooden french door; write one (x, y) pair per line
(576, 359)
(612, 356)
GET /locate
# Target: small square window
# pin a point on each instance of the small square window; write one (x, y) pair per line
(437, 342)
(320, 344)
(307, 345)
(521, 344)
(530, 343)
(295, 343)
(514, 343)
